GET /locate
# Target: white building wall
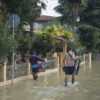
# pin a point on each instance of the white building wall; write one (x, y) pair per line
(37, 26)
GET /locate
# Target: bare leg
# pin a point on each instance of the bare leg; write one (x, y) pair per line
(66, 76)
(33, 74)
(36, 74)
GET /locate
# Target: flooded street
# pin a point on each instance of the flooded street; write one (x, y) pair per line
(51, 86)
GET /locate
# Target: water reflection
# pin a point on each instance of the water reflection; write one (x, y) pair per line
(51, 86)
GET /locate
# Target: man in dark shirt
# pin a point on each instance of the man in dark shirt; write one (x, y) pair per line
(34, 65)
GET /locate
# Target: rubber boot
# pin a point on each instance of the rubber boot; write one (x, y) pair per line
(66, 81)
(35, 77)
(72, 80)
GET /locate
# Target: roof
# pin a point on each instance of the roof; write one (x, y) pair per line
(45, 18)
(60, 38)
(63, 40)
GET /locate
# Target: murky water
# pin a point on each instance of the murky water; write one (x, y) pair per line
(51, 87)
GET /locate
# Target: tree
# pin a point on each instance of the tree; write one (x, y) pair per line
(69, 10)
(91, 16)
(7, 43)
(88, 37)
(46, 40)
(51, 32)
(28, 10)
(25, 42)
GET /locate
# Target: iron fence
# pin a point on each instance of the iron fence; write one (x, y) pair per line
(19, 70)
(95, 56)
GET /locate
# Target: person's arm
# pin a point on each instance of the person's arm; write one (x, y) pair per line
(77, 57)
(40, 59)
(74, 58)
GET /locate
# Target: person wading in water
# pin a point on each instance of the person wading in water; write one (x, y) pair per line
(68, 68)
(34, 64)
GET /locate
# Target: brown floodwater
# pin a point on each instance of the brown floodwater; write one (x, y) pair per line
(51, 86)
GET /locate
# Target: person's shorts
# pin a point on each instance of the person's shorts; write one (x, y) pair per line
(69, 70)
(35, 70)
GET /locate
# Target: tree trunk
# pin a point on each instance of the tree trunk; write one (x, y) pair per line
(31, 29)
(73, 21)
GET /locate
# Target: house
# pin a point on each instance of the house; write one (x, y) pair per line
(43, 21)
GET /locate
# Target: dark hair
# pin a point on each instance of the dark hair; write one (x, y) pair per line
(32, 52)
(69, 48)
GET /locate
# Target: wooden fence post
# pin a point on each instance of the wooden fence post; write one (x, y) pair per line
(4, 72)
(61, 59)
(28, 67)
(89, 59)
(84, 58)
(55, 54)
(58, 68)
(58, 63)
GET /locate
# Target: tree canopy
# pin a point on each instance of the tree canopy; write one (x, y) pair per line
(28, 10)
(7, 43)
(51, 31)
(88, 37)
(47, 37)
(89, 13)
(69, 9)
(90, 21)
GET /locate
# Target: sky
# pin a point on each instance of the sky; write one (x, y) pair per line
(51, 4)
